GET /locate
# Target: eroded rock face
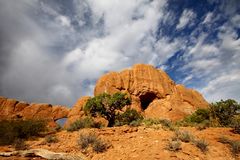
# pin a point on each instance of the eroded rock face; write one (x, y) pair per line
(13, 109)
(77, 111)
(152, 91)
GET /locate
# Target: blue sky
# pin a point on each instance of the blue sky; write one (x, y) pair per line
(54, 51)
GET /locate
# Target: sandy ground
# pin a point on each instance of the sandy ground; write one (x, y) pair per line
(141, 143)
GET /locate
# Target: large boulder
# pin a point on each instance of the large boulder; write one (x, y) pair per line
(152, 91)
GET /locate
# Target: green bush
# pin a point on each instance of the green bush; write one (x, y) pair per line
(86, 122)
(235, 123)
(90, 139)
(224, 111)
(130, 116)
(220, 113)
(135, 123)
(107, 106)
(199, 116)
(11, 130)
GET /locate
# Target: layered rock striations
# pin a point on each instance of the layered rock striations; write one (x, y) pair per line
(13, 109)
(152, 91)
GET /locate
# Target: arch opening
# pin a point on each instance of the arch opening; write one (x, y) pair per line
(146, 99)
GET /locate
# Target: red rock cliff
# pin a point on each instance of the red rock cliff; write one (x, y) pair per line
(152, 91)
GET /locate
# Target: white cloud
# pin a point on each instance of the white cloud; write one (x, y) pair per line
(236, 20)
(86, 49)
(57, 56)
(216, 64)
(63, 20)
(186, 19)
(225, 86)
(208, 18)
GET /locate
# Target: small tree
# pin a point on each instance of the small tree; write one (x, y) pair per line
(224, 111)
(106, 105)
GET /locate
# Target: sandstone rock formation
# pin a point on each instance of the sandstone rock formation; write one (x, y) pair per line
(152, 91)
(77, 111)
(13, 109)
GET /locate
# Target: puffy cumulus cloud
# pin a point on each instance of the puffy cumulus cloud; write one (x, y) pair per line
(62, 50)
(186, 19)
(54, 51)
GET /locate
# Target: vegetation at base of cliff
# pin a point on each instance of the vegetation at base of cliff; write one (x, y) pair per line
(86, 122)
(219, 114)
(107, 106)
(129, 117)
(13, 130)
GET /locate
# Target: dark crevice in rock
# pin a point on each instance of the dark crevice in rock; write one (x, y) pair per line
(146, 99)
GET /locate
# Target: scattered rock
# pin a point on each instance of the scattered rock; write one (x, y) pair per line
(44, 154)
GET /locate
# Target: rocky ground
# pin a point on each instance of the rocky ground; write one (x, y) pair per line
(140, 143)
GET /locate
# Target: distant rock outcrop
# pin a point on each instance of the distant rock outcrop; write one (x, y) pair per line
(13, 109)
(152, 91)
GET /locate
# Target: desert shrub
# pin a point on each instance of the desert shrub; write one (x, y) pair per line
(86, 122)
(237, 128)
(87, 140)
(51, 139)
(202, 144)
(235, 145)
(183, 136)
(198, 116)
(166, 124)
(151, 121)
(99, 146)
(235, 123)
(135, 123)
(127, 117)
(19, 144)
(11, 130)
(174, 146)
(224, 111)
(107, 106)
(224, 140)
(220, 113)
